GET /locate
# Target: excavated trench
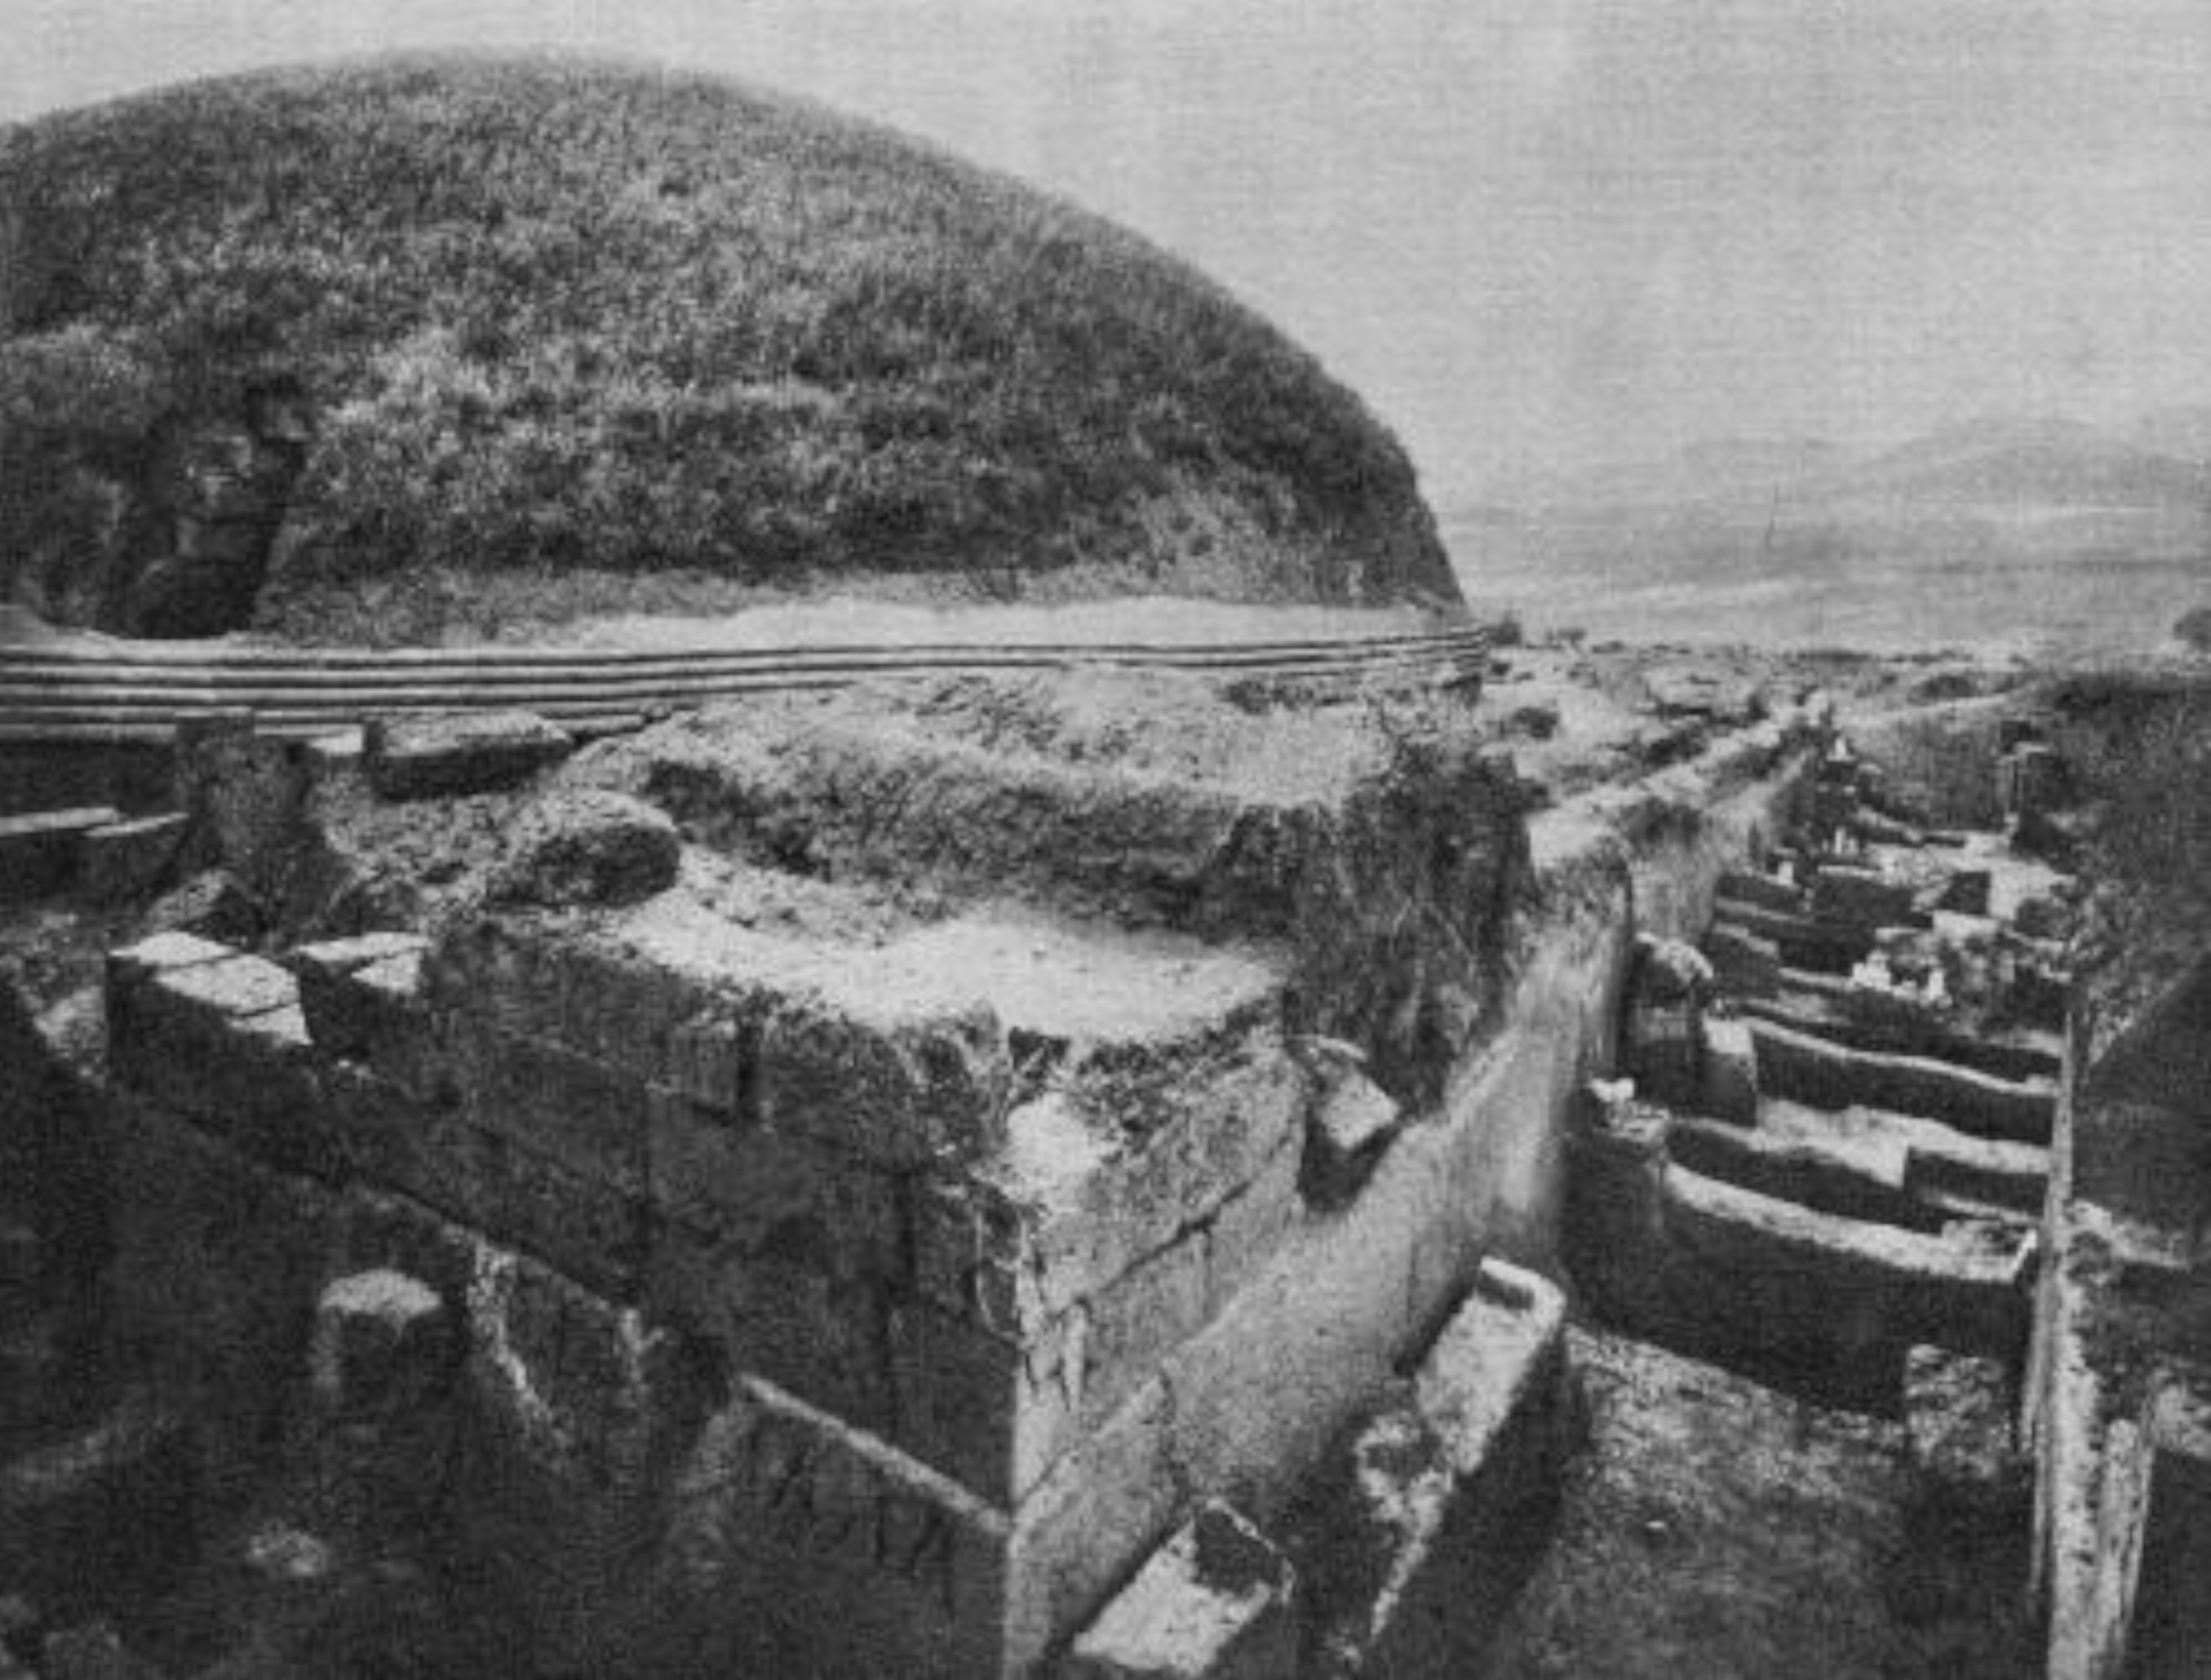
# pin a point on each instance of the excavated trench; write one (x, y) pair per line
(1093, 1174)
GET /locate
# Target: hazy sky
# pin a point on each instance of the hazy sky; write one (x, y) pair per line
(1527, 232)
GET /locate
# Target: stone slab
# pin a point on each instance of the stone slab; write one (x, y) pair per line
(39, 853)
(1349, 1128)
(1215, 1602)
(1401, 1533)
(469, 753)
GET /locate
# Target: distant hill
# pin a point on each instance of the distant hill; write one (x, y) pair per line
(1986, 466)
(441, 345)
(1720, 471)
(2020, 463)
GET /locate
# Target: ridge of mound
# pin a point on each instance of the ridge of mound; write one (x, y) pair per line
(410, 346)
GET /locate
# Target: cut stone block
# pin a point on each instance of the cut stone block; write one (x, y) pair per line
(783, 1254)
(1350, 1127)
(224, 1042)
(868, 1049)
(1079, 1259)
(129, 859)
(382, 1344)
(1498, 1356)
(1729, 1087)
(767, 1191)
(997, 1408)
(566, 1108)
(378, 1428)
(39, 853)
(475, 752)
(363, 998)
(586, 1228)
(1213, 1603)
(1662, 1049)
(130, 964)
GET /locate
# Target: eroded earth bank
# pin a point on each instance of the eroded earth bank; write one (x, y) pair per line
(1669, 1163)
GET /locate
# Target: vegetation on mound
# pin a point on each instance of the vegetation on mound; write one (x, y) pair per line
(529, 318)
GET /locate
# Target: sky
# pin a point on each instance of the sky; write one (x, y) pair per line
(1530, 234)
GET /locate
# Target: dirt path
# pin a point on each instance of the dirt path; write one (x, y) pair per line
(1717, 1530)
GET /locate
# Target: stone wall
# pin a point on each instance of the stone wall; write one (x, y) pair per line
(849, 1304)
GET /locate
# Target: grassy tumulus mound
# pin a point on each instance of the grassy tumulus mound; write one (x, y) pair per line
(421, 346)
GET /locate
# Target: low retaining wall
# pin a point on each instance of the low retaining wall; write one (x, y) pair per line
(1828, 1302)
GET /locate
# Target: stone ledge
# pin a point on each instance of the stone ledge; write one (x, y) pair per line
(1831, 1076)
